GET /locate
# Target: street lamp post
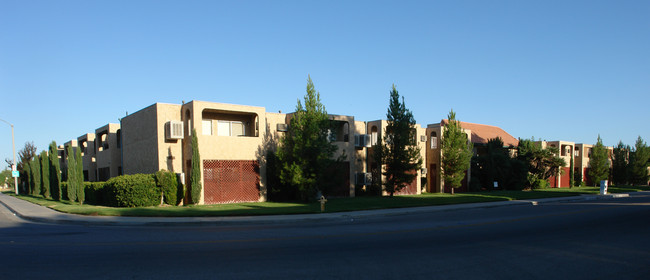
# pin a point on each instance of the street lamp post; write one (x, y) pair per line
(14, 167)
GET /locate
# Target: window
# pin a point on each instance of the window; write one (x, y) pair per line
(434, 140)
(230, 128)
(375, 135)
(119, 139)
(207, 127)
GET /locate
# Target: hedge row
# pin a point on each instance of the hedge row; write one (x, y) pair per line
(136, 190)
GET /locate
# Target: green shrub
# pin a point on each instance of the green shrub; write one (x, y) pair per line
(167, 184)
(540, 184)
(94, 193)
(135, 190)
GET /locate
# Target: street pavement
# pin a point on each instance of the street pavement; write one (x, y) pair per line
(588, 237)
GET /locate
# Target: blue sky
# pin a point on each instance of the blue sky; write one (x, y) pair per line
(555, 70)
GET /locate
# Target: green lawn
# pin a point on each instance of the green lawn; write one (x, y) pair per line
(333, 205)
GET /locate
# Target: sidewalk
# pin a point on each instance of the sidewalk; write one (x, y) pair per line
(36, 213)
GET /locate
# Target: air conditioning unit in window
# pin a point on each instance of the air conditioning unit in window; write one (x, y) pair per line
(173, 130)
(362, 140)
(364, 179)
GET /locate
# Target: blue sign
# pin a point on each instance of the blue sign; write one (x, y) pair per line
(15, 173)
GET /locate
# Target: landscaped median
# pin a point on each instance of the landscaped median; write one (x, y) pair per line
(333, 204)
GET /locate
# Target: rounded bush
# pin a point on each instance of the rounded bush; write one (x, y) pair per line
(136, 190)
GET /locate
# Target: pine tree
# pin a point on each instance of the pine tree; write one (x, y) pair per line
(620, 159)
(72, 175)
(45, 175)
(79, 176)
(456, 153)
(305, 154)
(400, 155)
(195, 178)
(55, 172)
(598, 161)
(639, 163)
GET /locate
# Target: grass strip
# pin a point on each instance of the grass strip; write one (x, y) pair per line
(333, 204)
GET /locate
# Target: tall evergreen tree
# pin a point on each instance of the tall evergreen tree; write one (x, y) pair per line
(195, 178)
(620, 158)
(27, 175)
(72, 175)
(79, 176)
(598, 161)
(639, 161)
(45, 175)
(305, 154)
(456, 153)
(55, 172)
(400, 155)
(35, 169)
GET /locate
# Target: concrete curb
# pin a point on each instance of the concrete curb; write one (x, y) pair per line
(36, 213)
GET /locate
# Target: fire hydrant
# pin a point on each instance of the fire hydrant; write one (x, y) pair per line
(322, 203)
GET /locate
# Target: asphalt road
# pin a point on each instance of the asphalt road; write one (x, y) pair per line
(599, 239)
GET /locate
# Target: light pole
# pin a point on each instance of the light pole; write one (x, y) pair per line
(14, 167)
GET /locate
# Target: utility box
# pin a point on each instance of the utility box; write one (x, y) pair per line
(603, 187)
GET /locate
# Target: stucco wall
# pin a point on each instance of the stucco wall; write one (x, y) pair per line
(169, 152)
(139, 137)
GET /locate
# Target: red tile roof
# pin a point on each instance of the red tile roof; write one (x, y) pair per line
(481, 133)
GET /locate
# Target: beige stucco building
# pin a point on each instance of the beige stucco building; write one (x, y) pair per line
(86, 143)
(108, 153)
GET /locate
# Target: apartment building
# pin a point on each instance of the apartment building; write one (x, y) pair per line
(234, 140)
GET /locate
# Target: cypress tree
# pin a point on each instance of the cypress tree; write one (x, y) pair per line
(55, 172)
(456, 153)
(28, 177)
(45, 175)
(401, 155)
(79, 176)
(195, 178)
(72, 176)
(35, 164)
(599, 165)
